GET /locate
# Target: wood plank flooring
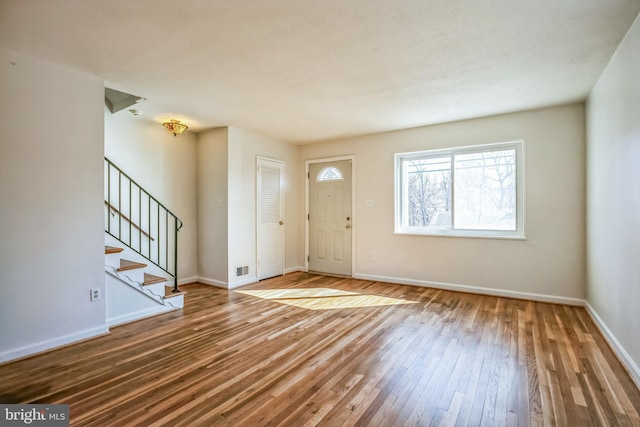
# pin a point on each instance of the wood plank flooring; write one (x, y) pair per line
(306, 350)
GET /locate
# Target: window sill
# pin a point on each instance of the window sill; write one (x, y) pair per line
(463, 233)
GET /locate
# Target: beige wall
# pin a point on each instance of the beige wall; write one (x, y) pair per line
(551, 261)
(244, 148)
(227, 203)
(51, 209)
(213, 206)
(163, 165)
(613, 209)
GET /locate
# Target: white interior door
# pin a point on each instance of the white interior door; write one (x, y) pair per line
(270, 218)
(330, 221)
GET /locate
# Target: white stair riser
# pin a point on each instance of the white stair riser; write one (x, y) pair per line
(127, 301)
(112, 260)
(135, 275)
(156, 288)
(132, 255)
(177, 301)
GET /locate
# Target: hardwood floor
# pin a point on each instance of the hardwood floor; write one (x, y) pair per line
(312, 350)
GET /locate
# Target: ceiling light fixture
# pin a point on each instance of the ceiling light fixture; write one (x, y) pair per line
(175, 127)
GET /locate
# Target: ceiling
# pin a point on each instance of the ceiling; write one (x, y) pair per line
(311, 70)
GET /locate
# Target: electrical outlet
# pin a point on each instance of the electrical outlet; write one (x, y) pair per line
(95, 294)
(373, 255)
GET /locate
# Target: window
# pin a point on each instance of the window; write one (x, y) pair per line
(470, 191)
(330, 173)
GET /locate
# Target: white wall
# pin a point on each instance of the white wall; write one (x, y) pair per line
(165, 166)
(613, 205)
(551, 261)
(213, 206)
(51, 208)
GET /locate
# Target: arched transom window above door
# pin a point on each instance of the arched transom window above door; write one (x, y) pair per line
(330, 173)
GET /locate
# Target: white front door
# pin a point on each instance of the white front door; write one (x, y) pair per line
(330, 219)
(270, 219)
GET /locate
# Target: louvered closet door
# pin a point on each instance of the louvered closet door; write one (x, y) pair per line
(270, 217)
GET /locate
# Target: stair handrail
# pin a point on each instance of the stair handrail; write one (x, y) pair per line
(115, 211)
(177, 223)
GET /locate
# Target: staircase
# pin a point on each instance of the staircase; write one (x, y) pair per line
(132, 293)
(141, 251)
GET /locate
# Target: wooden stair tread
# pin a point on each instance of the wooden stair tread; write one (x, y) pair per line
(112, 250)
(150, 279)
(168, 292)
(125, 264)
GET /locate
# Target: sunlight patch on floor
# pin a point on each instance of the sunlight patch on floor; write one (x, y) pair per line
(323, 298)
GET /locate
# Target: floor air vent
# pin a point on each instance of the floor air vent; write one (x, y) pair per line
(242, 271)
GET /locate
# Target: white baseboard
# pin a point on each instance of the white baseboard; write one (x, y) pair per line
(224, 285)
(620, 352)
(187, 280)
(139, 315)
(213, 282)
(33, 349)
(475, 290)
(244, 281)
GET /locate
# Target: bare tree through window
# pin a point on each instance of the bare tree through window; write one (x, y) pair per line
(485, 190)
(429, 192)
(461, 189)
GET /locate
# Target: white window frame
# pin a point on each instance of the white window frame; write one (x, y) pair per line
(400, 192)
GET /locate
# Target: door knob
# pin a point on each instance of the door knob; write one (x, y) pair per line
(281, 222)
(348, 226)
